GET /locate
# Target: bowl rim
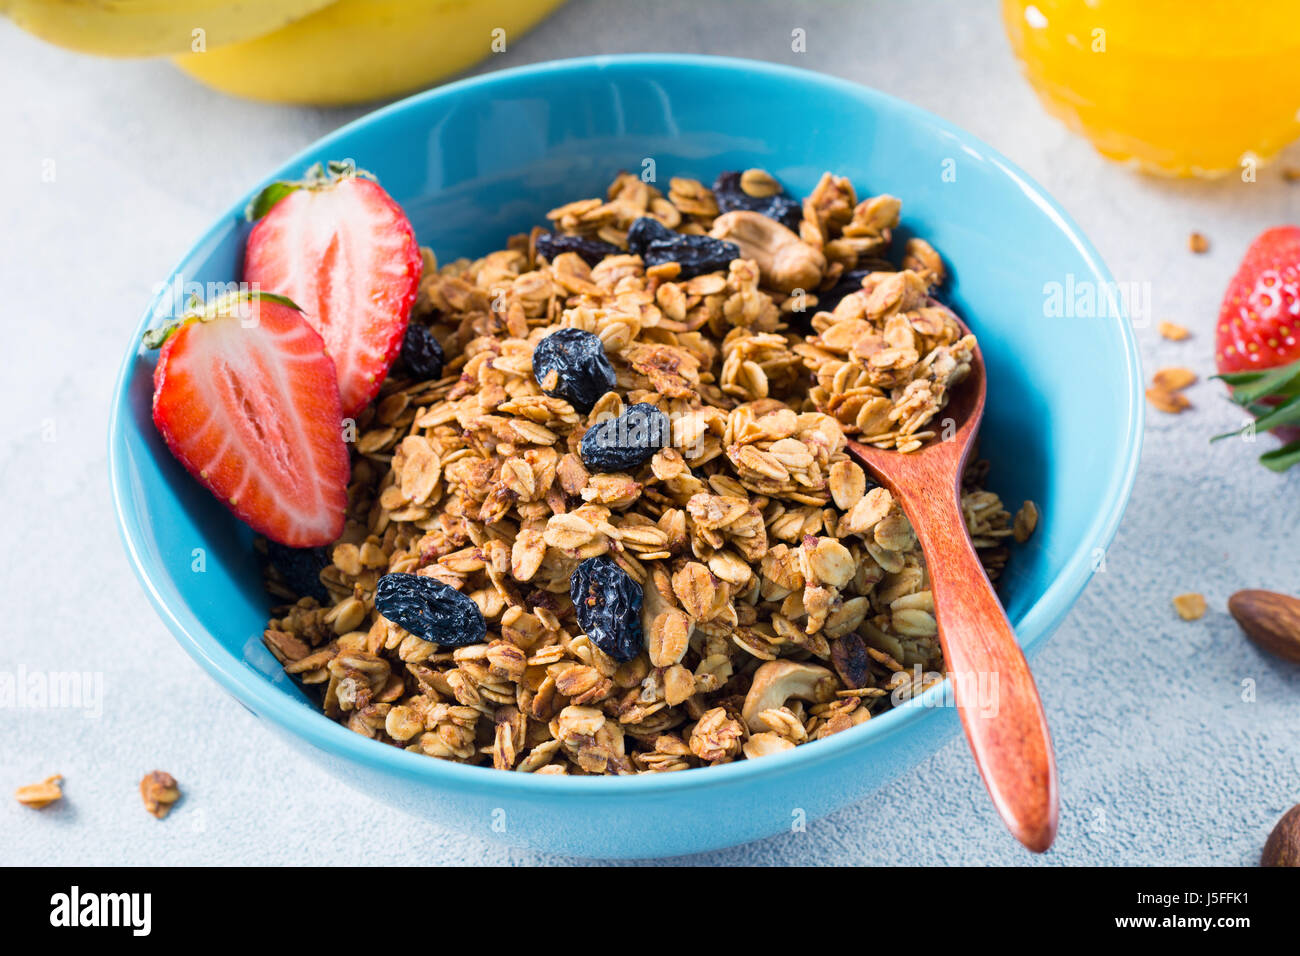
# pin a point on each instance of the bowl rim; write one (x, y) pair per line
(261, 696)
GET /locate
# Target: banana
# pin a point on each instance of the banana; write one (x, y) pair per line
(359, 50)
(135, 28)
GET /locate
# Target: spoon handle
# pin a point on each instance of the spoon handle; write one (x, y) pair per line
(994, 691)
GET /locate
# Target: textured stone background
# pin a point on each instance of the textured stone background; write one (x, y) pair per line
(1161, 759)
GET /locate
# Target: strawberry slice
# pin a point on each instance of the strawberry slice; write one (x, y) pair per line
(340, 247)
(246, 399)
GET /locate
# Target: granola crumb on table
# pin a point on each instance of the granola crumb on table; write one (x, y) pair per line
(159, 791)
(1173, 379)
(1190, 606)
(1173, 331)
(760, 546)
(1166, 389)
(1166, 401)
(38, 796)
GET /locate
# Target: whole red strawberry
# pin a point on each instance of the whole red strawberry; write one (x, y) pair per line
(340, 247)
(246, 399)
(1259, 321)
(1257, 341)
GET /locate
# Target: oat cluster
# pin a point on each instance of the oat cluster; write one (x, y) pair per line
(785, 597)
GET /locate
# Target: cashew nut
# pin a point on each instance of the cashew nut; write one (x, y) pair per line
(760, 745)
(777, 681)
(786, 261)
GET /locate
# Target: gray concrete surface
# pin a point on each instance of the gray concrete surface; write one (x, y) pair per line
(1162, 760)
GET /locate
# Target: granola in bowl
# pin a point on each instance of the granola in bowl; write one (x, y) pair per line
(641, 545)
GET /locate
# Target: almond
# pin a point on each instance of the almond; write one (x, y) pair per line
(1283, 846)
(1270, 620)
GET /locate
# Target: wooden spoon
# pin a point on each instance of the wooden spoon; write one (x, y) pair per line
(995, 693)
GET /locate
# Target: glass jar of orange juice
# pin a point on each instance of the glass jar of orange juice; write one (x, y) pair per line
(1181, 87)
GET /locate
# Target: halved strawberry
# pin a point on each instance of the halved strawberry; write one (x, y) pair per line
(246, 399)
(340, 247)
(1257, 340)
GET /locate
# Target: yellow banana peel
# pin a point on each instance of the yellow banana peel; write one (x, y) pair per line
(141, 28)
(354, 51)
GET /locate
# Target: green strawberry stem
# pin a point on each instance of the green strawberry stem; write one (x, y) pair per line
(1249, 387)
(1280, 459)
(318, 176)
(1252, 391)
(1288, 413)
(156, 337)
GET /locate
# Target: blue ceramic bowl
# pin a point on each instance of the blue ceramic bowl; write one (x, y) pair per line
(477, 160)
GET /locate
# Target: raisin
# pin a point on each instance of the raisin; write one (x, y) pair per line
(782, 207)
(430, 610)
(656, 244)
(846, 285)
(551, 244)
(421, 354)
(851, 661)
(608, 605)
(301, 568)
(582, 370)
(646, 230)
(627, 441)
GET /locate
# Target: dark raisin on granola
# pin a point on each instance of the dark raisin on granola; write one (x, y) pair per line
(851, 661)
(626, 441)
(421, 354)
(848, 283)
(646, 230)
(608, 605)
(656, 244)
(551, 244)
(301, 568)
(581, 369)
(782, 207)
(430, 610)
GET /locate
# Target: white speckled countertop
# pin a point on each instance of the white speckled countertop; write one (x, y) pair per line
(1162, 760)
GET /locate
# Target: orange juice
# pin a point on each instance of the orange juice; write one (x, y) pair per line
(1181, 87)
